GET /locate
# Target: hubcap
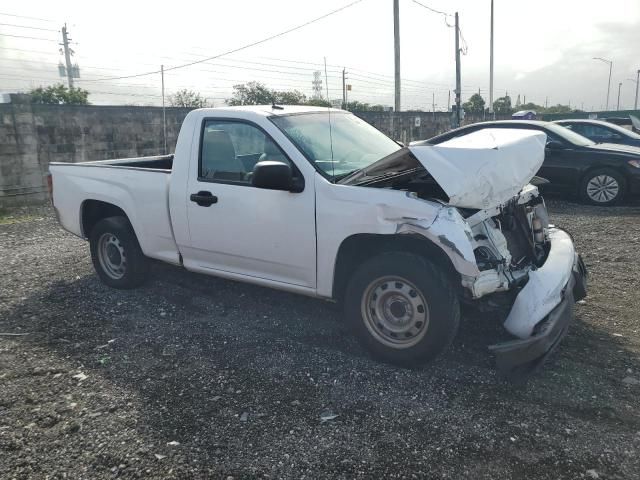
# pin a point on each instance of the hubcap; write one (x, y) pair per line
(395, 312)
(602, 188)
(111, 256)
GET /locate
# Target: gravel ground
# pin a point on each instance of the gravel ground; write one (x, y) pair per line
(196, 377)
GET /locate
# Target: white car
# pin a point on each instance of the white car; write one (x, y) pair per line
(318, 202)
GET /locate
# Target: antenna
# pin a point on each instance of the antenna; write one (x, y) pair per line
(326, 81)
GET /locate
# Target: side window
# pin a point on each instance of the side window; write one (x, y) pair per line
(602, 132)
(594, 131)
(231, 149)
(576, 127)
(551, 137)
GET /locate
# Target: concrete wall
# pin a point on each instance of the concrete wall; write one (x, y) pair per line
(410, 126)
(31, 136)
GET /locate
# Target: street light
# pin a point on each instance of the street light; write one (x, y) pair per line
(619, 87)
(610, 62)
(635, 107)
(637, 83)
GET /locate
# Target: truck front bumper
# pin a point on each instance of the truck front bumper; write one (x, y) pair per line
(517, 359)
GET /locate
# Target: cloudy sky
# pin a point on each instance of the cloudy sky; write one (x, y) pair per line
(543, 49)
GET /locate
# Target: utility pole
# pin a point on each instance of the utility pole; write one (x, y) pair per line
(164, 113)
(344, 89)
(67, 55)
(619, 88)
(458, 81)
(396, 51)
(449, 102)
(491, 64)
(610, 62)
(433, 104)
(637, 83)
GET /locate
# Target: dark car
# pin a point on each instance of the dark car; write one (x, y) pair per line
(601, 174)
(602, 132)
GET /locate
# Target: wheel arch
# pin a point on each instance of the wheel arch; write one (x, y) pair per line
(92, 211)
(357, 248)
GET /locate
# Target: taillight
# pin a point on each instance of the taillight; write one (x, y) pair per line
(50, 186)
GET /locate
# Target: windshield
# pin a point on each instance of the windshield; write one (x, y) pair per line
(351, 144)
(569, 135)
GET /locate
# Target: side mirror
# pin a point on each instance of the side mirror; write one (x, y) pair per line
(555, 145)
(274, 176)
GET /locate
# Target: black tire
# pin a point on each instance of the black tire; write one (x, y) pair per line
(415, 274)
(122, 250)
(609, 180)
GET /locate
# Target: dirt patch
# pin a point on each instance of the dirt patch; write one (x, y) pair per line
(196, 377)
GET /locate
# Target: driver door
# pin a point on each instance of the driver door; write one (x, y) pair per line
(559, 166)
(236, 228)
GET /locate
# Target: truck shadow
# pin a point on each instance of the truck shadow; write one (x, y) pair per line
(200, 351)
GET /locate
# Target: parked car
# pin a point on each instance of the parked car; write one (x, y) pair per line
(524, 115)
(600, 174)
(602, 132)
(318, 202)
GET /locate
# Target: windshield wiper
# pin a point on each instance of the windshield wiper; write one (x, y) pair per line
(394, 174)
(337, 178)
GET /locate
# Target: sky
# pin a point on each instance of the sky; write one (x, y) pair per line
(543, 50)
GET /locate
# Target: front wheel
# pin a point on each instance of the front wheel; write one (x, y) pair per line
(403, 308)
(602, 187)
(116, 253)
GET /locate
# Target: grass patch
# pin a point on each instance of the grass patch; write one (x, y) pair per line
(8, 218)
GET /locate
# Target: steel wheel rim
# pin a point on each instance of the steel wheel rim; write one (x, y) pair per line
(111, 256)
(602, 188)
(395, 312)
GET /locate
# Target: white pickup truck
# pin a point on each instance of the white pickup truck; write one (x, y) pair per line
(316, 201)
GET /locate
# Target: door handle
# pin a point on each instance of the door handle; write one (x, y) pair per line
(203, 198)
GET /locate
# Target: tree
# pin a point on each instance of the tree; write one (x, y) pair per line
(188, 98)
(356, 106)
(532, 106)
(59, 95)
(558, 109)
(318, 102)
(502, 106)
(475, 104)
(290, 97)
(252, 93)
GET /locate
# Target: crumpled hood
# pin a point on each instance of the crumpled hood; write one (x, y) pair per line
(485, 168)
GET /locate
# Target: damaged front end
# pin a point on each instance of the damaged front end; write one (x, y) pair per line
(519, 252)
(512, 261)
(494, 227)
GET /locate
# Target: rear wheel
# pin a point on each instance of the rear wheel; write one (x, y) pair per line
(403, 309)
(116, 254)
(602, 187)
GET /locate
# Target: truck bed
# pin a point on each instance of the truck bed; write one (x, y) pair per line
(157, 162)
(137, 186)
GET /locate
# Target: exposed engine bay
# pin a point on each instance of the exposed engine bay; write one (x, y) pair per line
(485, 180)
(508, 241)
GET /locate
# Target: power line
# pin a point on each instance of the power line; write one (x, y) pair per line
(432, 9)
(298, 27)
(31, 28)
(28, 18)
(30, 38)
(24, 50)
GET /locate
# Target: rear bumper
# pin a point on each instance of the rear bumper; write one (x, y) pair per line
(517, 359)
